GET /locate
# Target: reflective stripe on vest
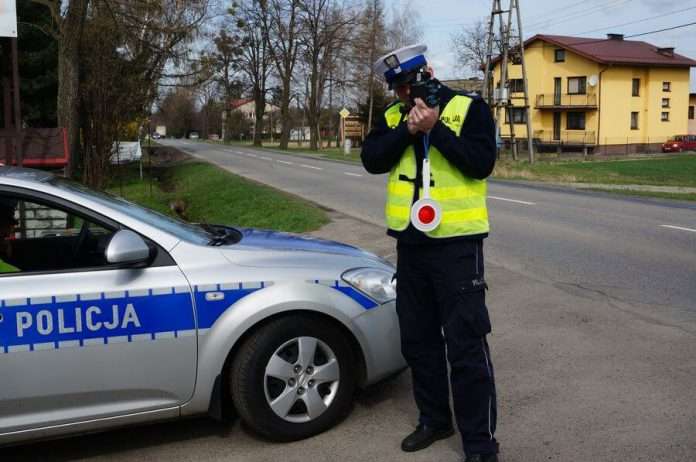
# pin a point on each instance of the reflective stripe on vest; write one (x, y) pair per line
(463, 199)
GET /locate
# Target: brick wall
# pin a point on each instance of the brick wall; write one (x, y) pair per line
(40, 221)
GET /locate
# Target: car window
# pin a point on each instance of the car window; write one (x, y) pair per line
(178, 228)
(37, 236)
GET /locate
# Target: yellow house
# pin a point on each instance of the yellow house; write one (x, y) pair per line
(692, 109)
(598, 93)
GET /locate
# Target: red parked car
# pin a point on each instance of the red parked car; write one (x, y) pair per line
(680, 143)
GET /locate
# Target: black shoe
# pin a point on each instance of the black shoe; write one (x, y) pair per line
(423, 437)
(482, 458)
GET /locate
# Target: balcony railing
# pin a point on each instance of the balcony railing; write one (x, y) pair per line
(565, 100)
(570, 137)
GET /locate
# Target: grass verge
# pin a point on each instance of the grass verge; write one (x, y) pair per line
(209, 194)
(665, 171)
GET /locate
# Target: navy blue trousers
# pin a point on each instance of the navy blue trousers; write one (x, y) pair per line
(443, 317)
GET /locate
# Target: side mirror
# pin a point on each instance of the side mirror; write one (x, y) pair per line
(128, 248)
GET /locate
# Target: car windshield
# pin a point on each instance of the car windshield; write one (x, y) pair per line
(677, 138)
(185, 231)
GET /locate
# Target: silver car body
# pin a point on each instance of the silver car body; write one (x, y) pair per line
(83, 351)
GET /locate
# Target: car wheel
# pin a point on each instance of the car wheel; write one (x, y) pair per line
(293, 378)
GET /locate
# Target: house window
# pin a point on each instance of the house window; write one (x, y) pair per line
(559, 56)
(691, 112)
(516, 86)
(519, 115)
(634, 121)
(575, 121)
(636, 87)
(516, 56)
(577, 85)
(665, 102)
(666, 86)
(665, 117)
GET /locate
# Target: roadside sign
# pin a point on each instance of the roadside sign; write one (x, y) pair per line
(353, 127)
(8, 18)
(344, 113)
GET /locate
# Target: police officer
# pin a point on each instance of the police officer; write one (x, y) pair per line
(7, 226)
(440, 273)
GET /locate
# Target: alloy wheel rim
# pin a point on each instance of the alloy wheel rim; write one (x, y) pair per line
(301, 379)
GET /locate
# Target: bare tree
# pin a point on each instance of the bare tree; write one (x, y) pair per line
(325, 27)
(405, 27)
(470, 46)
(177, 111)
(225, 66)
(369, 42)
(208, 98)
(255, 60)
(280, 24)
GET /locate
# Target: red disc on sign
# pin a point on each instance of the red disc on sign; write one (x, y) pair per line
(426, 214)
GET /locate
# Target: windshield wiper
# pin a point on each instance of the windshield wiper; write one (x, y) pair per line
(221, 235)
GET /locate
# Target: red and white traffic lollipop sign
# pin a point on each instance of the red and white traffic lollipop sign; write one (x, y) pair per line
(426, 213)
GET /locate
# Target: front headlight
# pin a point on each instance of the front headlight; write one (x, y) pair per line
(375, 283)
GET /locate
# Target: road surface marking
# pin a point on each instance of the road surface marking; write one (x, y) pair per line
(311, 166)
(266, 158)
(253, 155)
(679, 228)
(352, 174)
(512, 200)
(240, 152)
(284, 162)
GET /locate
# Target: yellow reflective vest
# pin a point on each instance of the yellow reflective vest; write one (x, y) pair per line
(462, 199)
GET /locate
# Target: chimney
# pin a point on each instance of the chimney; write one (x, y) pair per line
(668, 51)
(615, 36)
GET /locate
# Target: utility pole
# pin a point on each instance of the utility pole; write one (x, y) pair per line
(511, 44)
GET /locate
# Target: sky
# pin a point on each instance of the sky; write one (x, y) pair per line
(587, 18)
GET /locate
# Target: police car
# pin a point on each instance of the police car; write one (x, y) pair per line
(118, 315)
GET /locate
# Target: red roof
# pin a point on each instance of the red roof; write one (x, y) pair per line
(235, 103)
(613, 51)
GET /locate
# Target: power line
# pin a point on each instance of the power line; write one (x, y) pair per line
(639, 20)
(562, 10)
(633, 35)
(565, 13)
(662, 30)
(591, 11)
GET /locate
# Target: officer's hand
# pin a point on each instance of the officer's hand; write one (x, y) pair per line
(412, 127)
(423, 117)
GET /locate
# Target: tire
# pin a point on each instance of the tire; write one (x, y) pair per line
(262, 398)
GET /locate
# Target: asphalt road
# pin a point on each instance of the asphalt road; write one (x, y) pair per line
(638, 251)
(594, 333)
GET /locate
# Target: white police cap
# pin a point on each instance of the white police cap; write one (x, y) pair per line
(400, 62)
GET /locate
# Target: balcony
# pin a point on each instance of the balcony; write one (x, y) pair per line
(566, 101)
(565, 137)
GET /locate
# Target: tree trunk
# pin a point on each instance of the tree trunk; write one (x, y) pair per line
(226, 132)
(285, 115)
(259, 110)
(68, 103)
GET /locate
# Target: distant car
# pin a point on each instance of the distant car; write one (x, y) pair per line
(193, 136)
(156, 136)
(680, 143)
(112, 314)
